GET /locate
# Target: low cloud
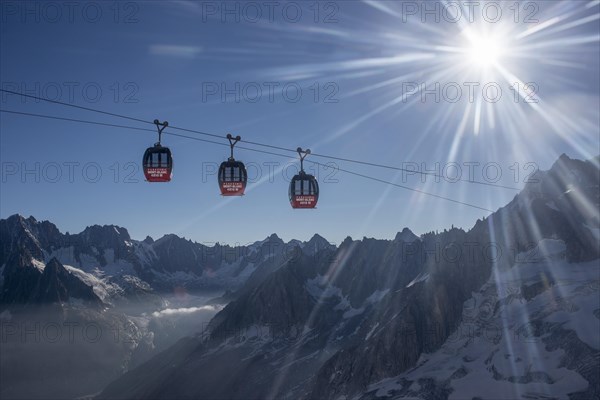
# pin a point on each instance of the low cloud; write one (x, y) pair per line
(181, 311)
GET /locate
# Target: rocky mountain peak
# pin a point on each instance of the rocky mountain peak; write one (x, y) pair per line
(148, 240)
(406, 236)
(58, 285)
(20, 219)
(317, 243)
(105, 234)
(274, 238)
(54, 267)
(346, 242)
(271, 241)
(18, 232)
(318, 238)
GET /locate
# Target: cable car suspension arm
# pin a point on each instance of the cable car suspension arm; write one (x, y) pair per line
(302, 154)
(232, 142)
(160, 126)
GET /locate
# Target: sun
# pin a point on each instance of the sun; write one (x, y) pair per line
(483, 51)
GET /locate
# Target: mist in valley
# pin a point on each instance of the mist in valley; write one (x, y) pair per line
(71, 351)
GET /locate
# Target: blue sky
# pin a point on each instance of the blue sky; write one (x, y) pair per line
(357, 65)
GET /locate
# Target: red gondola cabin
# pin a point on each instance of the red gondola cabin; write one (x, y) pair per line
(157, 161)
(304, 191)
(232, 178)
(158, 164)
(304, 188)
(232, 174)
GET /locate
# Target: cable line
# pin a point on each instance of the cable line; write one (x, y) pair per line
(367, 163)
(409, 188)
(107, 124)
(249, 149)
(76, 106)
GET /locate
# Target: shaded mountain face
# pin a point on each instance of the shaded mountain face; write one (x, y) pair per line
(18, 233)
(562, 203)
(20, 278)
(336, 323)
(57, 285)
(30, 282)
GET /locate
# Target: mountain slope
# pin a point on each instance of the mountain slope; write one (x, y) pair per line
(530, 331)
(333, 325)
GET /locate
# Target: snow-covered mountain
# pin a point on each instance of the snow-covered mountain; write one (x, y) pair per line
(531, 331)
(414, 316)
(120, 269)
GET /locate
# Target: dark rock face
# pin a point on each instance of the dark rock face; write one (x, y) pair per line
(279, 299)
(267, 256)
(417, 319)
(98, 239)
(20, 278)
(177, 254)
(26, 284)
(562, 202)
(316, 244)
(57, 285)
(17, 233)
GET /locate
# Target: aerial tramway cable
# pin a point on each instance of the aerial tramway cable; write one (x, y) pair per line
(158, 161)
(336, 158)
